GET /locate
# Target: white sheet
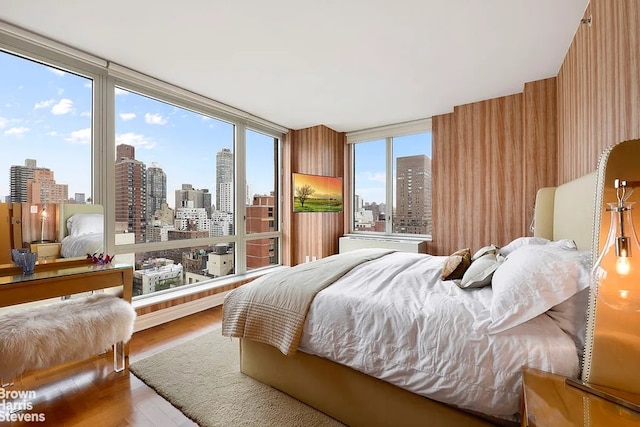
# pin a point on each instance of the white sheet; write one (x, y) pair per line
(80, 246)
(395, 320)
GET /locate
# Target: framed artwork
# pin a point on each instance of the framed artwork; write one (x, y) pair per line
(315, 193)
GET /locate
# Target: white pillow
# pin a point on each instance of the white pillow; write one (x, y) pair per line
(533, 279)
(520, 242)
(480, 271)
(80, 224)
(489, 249)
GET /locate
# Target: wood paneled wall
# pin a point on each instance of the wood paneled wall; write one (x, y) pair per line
(599, 86)
(318, 151)
(489, 158)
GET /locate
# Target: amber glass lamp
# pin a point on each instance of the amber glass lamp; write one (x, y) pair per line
(616, 272)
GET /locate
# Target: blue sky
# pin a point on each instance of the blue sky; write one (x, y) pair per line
(45, 114)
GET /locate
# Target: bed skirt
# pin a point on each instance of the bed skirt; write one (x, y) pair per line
(347, 395)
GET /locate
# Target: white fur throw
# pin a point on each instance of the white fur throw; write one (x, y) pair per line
(62, 332)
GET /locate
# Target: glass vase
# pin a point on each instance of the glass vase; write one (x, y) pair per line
(615, 278)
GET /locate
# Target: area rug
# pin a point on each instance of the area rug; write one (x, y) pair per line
(202, 378)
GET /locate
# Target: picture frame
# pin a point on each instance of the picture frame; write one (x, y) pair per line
(317, 193)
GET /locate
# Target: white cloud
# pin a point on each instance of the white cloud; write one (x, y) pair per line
(63, 107)
(53, 133)
(121, 91)
(373, 176)
(60, 91)
(56, 71)
(82, 136)
(127, 116)
(88, 85)
(154, 119)
(135, 139)
(44, 104)
(86, 114)
(3, 122)
(205, 118)
(16, 131)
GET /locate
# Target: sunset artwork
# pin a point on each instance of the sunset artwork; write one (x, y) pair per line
(315, 193)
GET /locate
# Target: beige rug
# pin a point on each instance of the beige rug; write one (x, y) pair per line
(202, 378)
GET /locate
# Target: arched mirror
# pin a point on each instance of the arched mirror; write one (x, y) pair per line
(612, 350)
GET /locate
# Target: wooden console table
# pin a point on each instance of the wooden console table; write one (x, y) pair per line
(63, 281)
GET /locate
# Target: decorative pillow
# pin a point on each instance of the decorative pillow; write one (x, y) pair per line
(533, 279)
(80, 224)
(481, 270)
(456, 264)
(520, 242)
(489, 249)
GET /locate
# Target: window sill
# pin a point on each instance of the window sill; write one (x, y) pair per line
(184, 291)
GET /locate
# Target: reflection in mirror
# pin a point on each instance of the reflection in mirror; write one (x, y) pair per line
(612, 347)
(52, 230)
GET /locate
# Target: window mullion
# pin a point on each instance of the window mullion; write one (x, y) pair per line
(389, 187)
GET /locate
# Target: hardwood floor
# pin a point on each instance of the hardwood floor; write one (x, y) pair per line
(90, 393)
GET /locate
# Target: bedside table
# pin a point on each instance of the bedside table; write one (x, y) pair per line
(46, 251)
(548, 401)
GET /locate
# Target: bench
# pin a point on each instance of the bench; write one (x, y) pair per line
(63, 332)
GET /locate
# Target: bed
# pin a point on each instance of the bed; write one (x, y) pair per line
(80, 230)
(466, 370)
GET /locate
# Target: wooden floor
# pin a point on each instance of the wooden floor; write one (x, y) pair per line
(90, 394)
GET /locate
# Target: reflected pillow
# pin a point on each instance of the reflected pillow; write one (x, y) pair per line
(533, 279)
(571, 317)
(456, 264)
(481, 270)
(80, 224)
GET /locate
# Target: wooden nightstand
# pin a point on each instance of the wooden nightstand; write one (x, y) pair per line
(46, 251)
(548, 401)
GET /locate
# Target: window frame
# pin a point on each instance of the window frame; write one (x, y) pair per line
(106, 76)
(386, 133)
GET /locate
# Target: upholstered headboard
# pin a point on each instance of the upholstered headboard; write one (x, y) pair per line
(567, 211)
(66, 210)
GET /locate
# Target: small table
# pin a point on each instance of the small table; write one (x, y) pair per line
(46, 250)
(548, 401)
(66, 280)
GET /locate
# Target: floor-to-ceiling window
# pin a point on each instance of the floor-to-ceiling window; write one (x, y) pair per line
(190, 187)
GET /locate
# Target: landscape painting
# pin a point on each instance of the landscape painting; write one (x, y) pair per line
(315, 193)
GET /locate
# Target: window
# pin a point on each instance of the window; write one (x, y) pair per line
(177, 174)
(392, 180)
(45, 126)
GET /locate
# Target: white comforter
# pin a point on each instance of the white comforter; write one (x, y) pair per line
(417, 332)
(82, 245)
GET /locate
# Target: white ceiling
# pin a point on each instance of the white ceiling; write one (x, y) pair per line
(347, 64)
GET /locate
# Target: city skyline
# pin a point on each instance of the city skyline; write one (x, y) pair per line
(45, 114)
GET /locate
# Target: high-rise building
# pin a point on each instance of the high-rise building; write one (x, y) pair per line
(156, 190)
(224, 175)
(261, 218)
(131, 192)
(413, 195)
(188, 196)
(79, 198)
(42, 188)
(32, 184)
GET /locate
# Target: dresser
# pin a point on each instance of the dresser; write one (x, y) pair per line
(547, 401)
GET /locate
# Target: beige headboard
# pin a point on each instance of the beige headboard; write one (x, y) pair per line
(66, 210)
(567, 211)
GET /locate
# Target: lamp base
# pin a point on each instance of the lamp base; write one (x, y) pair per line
(602, 393)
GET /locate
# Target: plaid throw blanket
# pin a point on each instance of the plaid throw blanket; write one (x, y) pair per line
(272, 309)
